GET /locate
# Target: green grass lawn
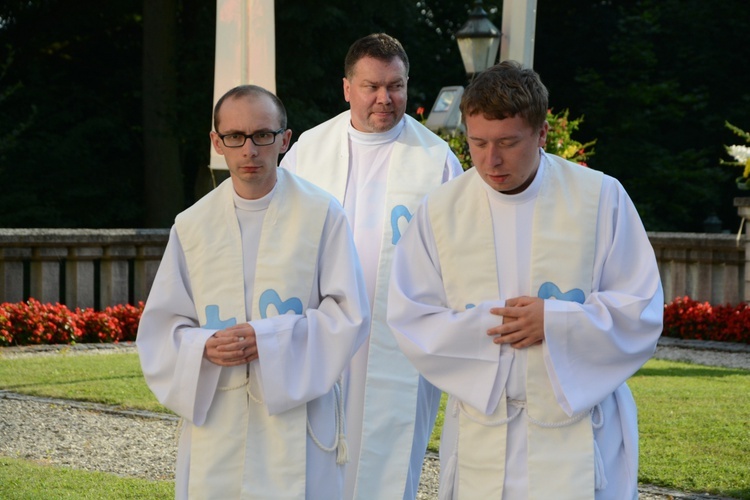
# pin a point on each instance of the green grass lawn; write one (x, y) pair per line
(113, 379)
(23, 479)
(694, 424)
(694, 427)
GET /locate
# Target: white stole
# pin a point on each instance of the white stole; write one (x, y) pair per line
(561, 448)
(416, 168)
(242, 451)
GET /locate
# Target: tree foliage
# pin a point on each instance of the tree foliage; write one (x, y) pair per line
(310, 63)
(655, 80)
(77, 164)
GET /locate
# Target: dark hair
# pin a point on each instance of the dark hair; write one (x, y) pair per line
(250, 91)
(504, 91)
(378, 46)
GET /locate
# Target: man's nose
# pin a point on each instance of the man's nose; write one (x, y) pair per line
(494, 155)
(249, 148)
(384, 95)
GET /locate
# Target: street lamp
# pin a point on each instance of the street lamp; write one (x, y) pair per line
(478, 41)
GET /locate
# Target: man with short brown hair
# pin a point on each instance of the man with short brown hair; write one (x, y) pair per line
(255, 311)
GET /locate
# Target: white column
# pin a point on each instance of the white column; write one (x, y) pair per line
(245, 51)
(519, 26)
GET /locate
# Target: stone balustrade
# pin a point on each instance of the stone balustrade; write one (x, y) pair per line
(101, 267)
(705, 267)
(743, 210)
(79, 267)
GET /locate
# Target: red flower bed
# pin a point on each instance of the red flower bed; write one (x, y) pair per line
(686, 318)
(31, 322)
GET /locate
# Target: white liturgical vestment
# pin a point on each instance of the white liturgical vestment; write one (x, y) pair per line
(286, 264)
(568, 236)
(380, 178)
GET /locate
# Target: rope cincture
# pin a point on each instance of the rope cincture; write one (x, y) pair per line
(246, 384)
(339, 443)
(520, 405)
(600, 478)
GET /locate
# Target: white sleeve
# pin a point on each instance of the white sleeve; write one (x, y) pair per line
(593, 348)
(302, 356)
(289, 161)
(451, 349)
(170, 343)
(453, 167)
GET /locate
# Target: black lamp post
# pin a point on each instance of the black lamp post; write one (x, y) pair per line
(478, 41)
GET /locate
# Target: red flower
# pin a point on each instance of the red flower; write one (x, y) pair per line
(32, 322)
(689, 319)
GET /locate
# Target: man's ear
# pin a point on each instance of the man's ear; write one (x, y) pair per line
(347, 88)
(286, 139)
(543, 134)
(216, 141)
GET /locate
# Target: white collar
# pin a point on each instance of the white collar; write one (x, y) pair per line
(376, 138)
(253, 205)
(527, 194)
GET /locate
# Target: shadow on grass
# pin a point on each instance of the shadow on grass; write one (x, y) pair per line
(740, 493)
(692, 371)
(13, 387)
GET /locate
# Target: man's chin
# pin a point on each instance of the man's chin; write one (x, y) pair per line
(383, 125)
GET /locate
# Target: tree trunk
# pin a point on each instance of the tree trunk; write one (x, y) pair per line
(163, 176)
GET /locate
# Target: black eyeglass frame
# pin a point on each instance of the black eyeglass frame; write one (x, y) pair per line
(252, 139)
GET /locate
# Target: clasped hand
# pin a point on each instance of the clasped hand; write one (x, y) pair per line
(523, 322)
(232, 346)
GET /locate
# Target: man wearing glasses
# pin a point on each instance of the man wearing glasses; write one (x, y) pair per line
(258, 305)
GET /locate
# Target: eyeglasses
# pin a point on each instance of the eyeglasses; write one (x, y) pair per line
(262, 138)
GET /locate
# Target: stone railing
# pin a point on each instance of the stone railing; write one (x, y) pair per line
(101, 267)
(79, 267)
(705, 267)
